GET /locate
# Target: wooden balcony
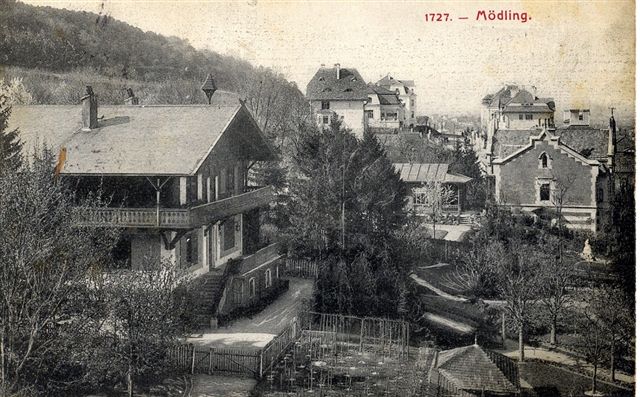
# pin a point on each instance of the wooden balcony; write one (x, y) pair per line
(175, 218)
(133, 217)
(254, 197)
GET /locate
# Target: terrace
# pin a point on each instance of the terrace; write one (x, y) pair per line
(175, 218)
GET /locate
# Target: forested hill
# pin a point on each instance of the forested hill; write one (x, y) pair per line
(54, 53)
(62, 40)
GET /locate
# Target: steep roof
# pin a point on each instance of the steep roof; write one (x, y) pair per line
(385, 96)
(423, 172)
(473, 368)
(506, 142)
(591, 142)
(387, 81)
(521, 101)
(325, 85)
(140, 140)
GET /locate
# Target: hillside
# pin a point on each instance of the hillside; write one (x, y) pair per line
(57, 52)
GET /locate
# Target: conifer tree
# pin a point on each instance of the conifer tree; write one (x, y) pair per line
(10, 145)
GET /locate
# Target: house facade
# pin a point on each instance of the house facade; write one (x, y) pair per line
(341, 92)
(384, 111)
(176, 177)
(546, 176)
(405, 90)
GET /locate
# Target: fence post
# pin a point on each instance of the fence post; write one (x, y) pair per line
(361, 333)
(193, 360)
(210, 359)
(261, 362)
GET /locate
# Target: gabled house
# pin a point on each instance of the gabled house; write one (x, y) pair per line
(545, 175)
(341, 92)
(384, 112)
(405, 90)
(177, 179)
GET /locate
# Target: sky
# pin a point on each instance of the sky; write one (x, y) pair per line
(580, 53)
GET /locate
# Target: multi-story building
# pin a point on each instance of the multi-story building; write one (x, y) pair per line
(341, 92)
(384, 111)
(177, 181)
(405, 89)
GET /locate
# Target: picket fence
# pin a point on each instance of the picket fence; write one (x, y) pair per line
(233, 360)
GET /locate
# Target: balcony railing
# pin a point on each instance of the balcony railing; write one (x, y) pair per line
(133, 217)
(174, 218)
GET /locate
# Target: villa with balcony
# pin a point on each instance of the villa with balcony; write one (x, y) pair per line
(177, 182)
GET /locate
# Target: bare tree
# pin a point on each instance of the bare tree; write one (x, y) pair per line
(144, 318)
(563, 183)
(518, 281)
(435, 196)
(44, 259)
(558, 275)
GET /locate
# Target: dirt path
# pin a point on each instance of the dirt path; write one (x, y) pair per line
(435, 289)
(257, 331)
(544, 354)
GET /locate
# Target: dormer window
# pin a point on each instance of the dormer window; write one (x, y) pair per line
(324, 105)
(327, 90)
(348, 90)
(544, 161)
(321, 79)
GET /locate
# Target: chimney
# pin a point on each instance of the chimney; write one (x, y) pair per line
(209, 87)
(89, 110)
(322, 65)
(131, 98)
(337, 65)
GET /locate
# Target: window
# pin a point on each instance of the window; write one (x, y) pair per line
(545, 192)
(192, 189)
(228, 234)
(413, 102)
(369, 99)
(267, 278)
(230, 179)
(600, 195)
(324, 105)
(325, 119)
(413, 115)
(580, 117)
(252, 287)
(369, 114)
(397, 91)
(528, 117)
(191, 250)
(521, 117)
(543, 160)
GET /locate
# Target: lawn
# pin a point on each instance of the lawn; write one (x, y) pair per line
(549, 380)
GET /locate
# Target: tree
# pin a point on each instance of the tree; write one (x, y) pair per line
(558, 275)
(563, 184)
(144, 314)
(45, 261)
(346, 202)
(10, 145)
(436, 196)
(518, 271)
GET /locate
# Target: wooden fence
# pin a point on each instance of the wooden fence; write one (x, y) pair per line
(388, 338)
(303, 268)
(233, 360)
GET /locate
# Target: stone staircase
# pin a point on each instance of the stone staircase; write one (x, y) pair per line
(210, 288)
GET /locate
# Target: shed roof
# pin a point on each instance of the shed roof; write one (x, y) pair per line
(423, 172)
(473, 368)
(139, 140)
(325, 85)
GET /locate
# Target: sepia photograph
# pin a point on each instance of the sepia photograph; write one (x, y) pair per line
(278, 198)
